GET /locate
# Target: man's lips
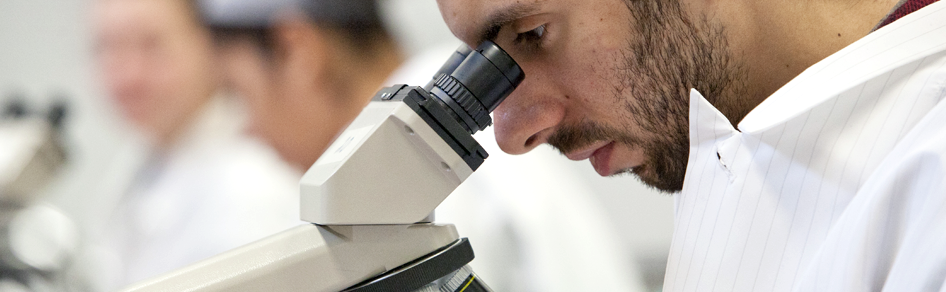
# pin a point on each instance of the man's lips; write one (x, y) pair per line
(599, 154)
(601, 159)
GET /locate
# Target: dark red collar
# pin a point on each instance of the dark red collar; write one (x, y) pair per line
(906, 8)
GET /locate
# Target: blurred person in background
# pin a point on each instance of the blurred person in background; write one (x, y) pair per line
(206, 187)
(307, 68)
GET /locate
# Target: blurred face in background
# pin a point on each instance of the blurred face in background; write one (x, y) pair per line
(280, 88)
(156, 62)
(302, 82)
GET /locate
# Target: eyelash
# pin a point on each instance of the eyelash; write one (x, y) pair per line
(532, 37)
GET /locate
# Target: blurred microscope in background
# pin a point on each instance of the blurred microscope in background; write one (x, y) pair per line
(36, 239)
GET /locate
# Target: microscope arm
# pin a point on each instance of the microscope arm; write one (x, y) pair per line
(308, 258)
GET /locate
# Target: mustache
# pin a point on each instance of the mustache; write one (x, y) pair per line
(569, 138)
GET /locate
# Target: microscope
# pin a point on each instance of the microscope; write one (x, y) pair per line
(370, 197)
(36, 239)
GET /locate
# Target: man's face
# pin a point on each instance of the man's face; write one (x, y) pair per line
(606, 80)
(155, 60)
(283, 105)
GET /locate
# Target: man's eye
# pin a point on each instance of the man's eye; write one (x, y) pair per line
(532, 37)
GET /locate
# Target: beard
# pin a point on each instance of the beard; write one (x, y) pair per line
(668, 55)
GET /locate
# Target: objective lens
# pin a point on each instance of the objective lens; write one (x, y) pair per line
(478, 84)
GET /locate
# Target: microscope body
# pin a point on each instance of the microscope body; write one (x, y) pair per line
(368, 195)
(388, 167)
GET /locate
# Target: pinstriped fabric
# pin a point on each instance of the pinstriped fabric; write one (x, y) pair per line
(835, 183)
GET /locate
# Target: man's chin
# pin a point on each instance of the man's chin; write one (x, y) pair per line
(649, 177)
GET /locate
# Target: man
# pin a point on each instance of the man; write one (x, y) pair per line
(349, 55)
(308, 70)
(205, 187)
(833, 180)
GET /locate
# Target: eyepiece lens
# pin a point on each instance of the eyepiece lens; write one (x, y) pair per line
(478, 84)
(502, 61)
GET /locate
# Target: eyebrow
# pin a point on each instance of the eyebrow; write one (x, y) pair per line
(504, 16)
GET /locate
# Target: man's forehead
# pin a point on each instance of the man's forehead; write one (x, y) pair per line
(472, 20)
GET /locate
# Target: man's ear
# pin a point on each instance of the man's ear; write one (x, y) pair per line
(301, 49)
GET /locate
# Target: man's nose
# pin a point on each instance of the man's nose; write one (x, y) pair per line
(126, 75)
(525, 120)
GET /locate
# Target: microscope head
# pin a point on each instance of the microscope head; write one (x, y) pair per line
(411, 146)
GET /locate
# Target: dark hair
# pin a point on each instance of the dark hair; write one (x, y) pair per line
(357, 22)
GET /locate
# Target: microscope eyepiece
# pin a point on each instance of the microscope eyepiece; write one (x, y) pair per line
(477, 84)
(502, 61)
(457, 102)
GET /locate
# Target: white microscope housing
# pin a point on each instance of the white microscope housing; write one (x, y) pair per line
(389, 167)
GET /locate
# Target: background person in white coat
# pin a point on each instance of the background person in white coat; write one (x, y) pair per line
(203, 186)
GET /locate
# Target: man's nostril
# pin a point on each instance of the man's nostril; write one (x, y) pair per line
(530, 141)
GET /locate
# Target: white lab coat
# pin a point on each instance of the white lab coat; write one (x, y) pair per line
(533, 222)
(837, 182)
(215, 190)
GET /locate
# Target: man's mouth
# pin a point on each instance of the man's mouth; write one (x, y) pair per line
(599, 154)
(601, 159)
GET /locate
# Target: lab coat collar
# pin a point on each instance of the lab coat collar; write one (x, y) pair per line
(706, 122)
(219, 120)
